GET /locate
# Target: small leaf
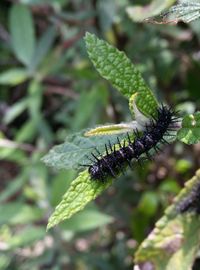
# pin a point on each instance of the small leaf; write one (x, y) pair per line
(148, 203)
(190, 131)
(26, 237)
(112, 129)
(60, 184)
(35, 2)
(17, 213)
(140, 118)
(35, 102)
(140, 13)
(80, 193)
(114, 66)
(22, 33)
(86, 220)
(15, 110)
(11, 153)
(43, 46)
(27, 132)
(13, 187)
(183, 165)
(169, 185)
(174, 242)
(13, 76)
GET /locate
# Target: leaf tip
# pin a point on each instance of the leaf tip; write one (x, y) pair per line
(51, 224)
(89, 39)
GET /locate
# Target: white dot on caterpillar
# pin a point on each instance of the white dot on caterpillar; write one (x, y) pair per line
(131, 149)
(121, 153)
(149, 138)
(193, 122)
(140, 144)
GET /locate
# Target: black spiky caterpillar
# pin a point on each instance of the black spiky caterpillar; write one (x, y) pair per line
(191, 203)
(112, 163)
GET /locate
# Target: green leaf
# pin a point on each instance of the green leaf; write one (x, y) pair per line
(174, 242)
(112, 129)
(80, 193)
(43, 47)
(86, 220)
(22, 33)
(93, 98)
(187, 11)
(13, 187)
(75, 149)
(4, 261)
(26, 237)
(35, 102)
(190, 131)
(114, 66)
(15, 110)
(148, 203)
(26, 133)
(60, 184)
(183, 165)
(11, 153)
(169, 185)
(140, 13)
(17, 213)
(34, 2)
(13, 76)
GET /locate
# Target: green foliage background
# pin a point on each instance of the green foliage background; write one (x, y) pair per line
(50, 90)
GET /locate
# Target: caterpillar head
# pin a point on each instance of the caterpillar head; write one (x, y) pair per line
(95, 172)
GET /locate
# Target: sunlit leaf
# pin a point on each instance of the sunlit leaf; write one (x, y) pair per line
(140, 13)
(22, 33)
(15, 110)
(80, 193)
(114, 66)
(190, 131)
(13, 76)
(112, 129)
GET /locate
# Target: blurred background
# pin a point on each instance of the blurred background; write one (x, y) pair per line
(48, 90)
